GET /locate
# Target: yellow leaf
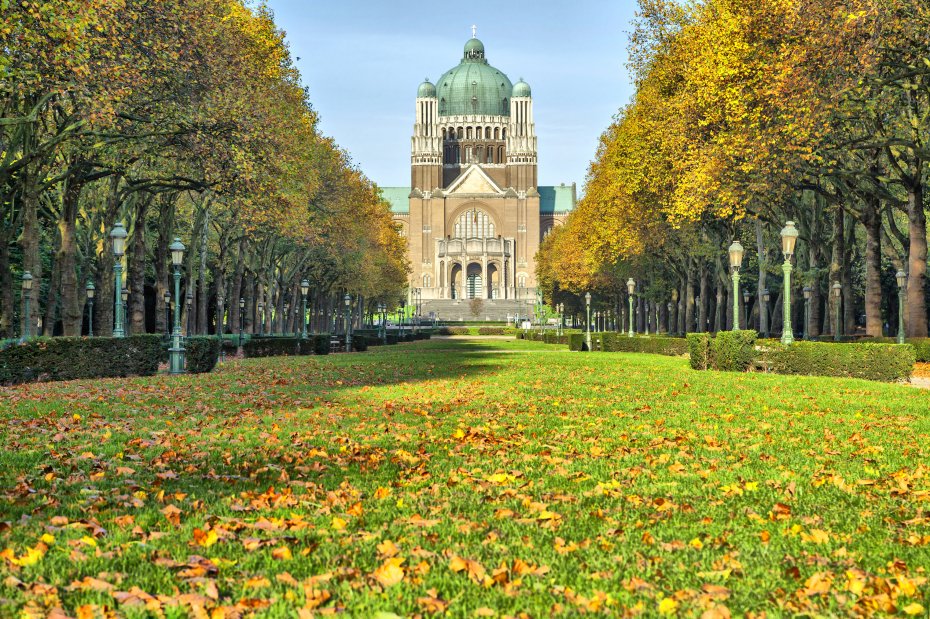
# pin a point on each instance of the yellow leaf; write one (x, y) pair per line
(390, 572)
(48, 539)
(205, 539)
(913, 609)
(667, 606)
(281, 553)
(696, 544)
(338, 524)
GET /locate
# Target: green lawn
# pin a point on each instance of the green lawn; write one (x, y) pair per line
(514, 477)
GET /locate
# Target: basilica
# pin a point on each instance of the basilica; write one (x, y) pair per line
(474, 215)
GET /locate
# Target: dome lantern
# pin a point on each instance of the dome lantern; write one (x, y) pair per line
(426, 90)
(522, 89)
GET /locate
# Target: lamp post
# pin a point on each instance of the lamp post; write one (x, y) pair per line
(167, 299)
(348, 303)
(807, 311)
(561, 318)
(241, 318)
(124, 295)
(90, 290)
(118, 237)
(383, 327)
(630, 288)
(789, 236)
(746, 306)
(284, 317)
(27, 293)
(304, 289)
(764, 313)
(189, 299)
(668, 318)
(901, 276)
(261, 318)
(837, 293)
(736, 261)
(587, 303)
(176, 352)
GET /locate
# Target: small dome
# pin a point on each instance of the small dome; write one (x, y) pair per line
(521, 89)
(426, 90)
(474, 49)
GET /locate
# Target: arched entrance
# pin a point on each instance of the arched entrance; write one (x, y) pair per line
(455, 281)
(494, 283)
(474, 282)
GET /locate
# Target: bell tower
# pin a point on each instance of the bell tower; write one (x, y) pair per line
(426, 143)
(521, 139)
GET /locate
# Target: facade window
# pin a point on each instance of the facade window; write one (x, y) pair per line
(503, 134)
(487, 133)
(497, 133)
(457, 154)
(468, 133)
(500, 155)
(473, 224)
(459, 133)
(468, 154)
(490, 154)
(521, 280)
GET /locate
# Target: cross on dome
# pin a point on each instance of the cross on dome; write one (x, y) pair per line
(474, 31)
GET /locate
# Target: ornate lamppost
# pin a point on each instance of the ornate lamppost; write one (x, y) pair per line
(124, 295)
(736, 261)
(837, 294)
(176, 352)
(764, 313)
(261, 318)
(807, 311)
(746, 306)
(382, 308)
(167, 299)
(630, 288)
(304, 289)
(587, 303)
(348, 303)
(669, 318)
(90, 291)
(241, 318)
(27, 293)
(789, 236)
(118, 237)
(901, 277)
(189, 298)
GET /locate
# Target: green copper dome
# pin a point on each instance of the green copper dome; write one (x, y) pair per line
(522, 89)
(426, 89)
(474, 86)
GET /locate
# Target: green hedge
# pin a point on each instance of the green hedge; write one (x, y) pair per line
(657, 345)
(699, 350)
(576, 342)
(202, 353)
(921, 346)
(359, 343)
(885, 362)
(733, 351)
(286, 346)
(547, 337)
(491, 331)
(71, 358)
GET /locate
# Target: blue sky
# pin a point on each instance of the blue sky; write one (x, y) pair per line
(363, 60)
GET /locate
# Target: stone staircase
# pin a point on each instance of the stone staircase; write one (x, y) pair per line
(448, 310)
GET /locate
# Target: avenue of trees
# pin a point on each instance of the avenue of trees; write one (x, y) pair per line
(180, 118)
(749, 113)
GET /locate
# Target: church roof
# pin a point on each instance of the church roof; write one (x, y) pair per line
(552, 199)
(474, 86)
(557, 199)
(399, 199)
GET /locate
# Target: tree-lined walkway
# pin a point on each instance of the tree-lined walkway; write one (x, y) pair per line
(484, 484)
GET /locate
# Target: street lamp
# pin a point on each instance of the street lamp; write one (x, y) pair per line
(189, 297)
(837, 293)
(348, 303)
(764, 314)
(587, 303)
(90, 290)
(241, 318)
(631, 288)
(736, 261)
(746, 307)
(167, 299)
(118, 237)
(261, 318)
(807, 311)
(176, 352)
(901, 276)
(304, 289)
(27, 293)
(382, 308)
(668, 318)
(124, 295)
(789, 236)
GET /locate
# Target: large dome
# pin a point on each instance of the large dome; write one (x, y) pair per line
(474, 86)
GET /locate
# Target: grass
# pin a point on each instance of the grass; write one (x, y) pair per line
(475, 478)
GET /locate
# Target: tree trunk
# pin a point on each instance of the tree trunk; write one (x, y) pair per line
(873, 267)
(836, 268)
(71, 299)
(164, 282)
(29, 241)
(689, 304)
(916, 320)
(103, 301)
(7, 299)
(813, 325)
(204, 296)
(51, 301)
(136, 275)
(237, 290)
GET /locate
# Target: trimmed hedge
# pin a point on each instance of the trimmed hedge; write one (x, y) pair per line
(921, 346)
(71, 358)
(491, 331)
(286, 346)
(202, 353)
(359, 343)
(699, 350)
(657, 345)
(885, 362)
(576, 342)
(733, 351)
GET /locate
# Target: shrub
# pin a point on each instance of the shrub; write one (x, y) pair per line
(202, 353)
(71, 358)
(886, 362)
(576, 342)
(491, 331)
(391, 339)
(320, 344)
(921, 346)
(699, 350)
(454, 331)
(657, 345)
(733, 351)
(359, 343)
(271, 347)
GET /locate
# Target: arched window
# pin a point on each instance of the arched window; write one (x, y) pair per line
(468, 133)
(521, 280)
(443, 133)
(504, 134)
(457, 155)
(479, 154)
(459, 133)
(427, 280)
(497, 133)
(490, 154)
(473, 224)
(487, 133)
(500, 155)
